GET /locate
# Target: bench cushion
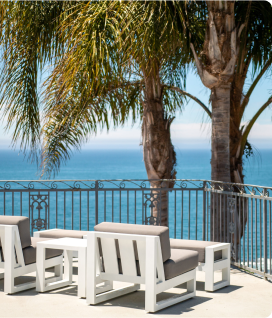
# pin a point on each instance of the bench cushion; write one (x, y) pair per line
(59, 233)
(29, 252)
(161, 231)
(23, 226)
(194, 245)
(181, 261)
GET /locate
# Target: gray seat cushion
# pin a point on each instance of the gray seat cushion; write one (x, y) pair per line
(23, 226)
(59, 233)
(161, 231)
(194, 245)
(29, 252)
(181, 261)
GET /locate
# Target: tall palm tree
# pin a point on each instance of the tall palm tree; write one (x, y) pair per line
(235, 51)
(254, 57)
(111, 60)
(142, 74)
(238, 39)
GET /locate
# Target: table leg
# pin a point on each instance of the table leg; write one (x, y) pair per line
(81, 289)
(68, 266)
(40, 265)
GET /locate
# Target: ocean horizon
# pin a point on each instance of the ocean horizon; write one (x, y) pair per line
(129, 164)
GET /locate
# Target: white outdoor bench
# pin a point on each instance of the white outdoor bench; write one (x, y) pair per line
(18, 253)
(138, 259)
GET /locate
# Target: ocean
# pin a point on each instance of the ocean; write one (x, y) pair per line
(128, 164)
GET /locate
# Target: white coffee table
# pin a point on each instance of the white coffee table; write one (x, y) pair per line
(68, 245)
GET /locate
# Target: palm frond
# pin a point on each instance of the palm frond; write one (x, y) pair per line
(28, 40)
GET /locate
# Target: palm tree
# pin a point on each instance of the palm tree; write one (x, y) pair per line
(142, 74)
(229, 52)
(254, 56)
(246, 47)
(110, 61)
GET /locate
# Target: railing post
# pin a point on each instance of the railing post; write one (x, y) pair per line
(265, 231)
(204, 212)
(96, 202)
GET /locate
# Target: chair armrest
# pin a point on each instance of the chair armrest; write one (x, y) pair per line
(218, 247)
(224, 247)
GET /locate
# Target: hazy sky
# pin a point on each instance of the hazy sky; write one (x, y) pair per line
(191, 127)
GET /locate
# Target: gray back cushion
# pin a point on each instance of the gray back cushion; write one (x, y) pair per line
(161, 231)
(60, 233)
(23, 226)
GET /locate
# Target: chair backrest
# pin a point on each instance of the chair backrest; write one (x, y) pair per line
(11, 248)
(161, 231)
(22, 223)
(128, 261)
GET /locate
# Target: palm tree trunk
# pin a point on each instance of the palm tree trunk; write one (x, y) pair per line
(220, 156)
(220, 133)
(236, 114)
(236, 131)
(158, 151)
(216, 73)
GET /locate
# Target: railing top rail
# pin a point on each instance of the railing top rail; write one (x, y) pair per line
(100, 184)
(139, 180)
(137, 183)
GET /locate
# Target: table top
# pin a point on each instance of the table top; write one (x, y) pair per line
(64, 243)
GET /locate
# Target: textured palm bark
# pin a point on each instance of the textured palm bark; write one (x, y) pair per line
(158, 151)
(236, 115)
(220, 140)
(236, 133)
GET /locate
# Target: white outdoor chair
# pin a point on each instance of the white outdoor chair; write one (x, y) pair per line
(18, 254)
(213, 256)
(137, 259)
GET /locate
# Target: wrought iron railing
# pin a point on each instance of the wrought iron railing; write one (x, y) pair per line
(197, 209)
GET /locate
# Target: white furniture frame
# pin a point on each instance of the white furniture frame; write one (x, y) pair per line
(68, 245)
(151, 268)
(37, 234)
(13, 261)
(210, 266)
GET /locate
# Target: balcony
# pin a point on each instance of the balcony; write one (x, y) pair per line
(197, 209)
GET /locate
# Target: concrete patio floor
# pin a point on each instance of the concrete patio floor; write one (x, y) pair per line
(248, 296)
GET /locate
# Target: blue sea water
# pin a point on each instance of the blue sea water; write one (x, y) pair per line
(77, 211)
(128, 164)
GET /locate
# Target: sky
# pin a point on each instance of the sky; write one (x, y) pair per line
(191, 128)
